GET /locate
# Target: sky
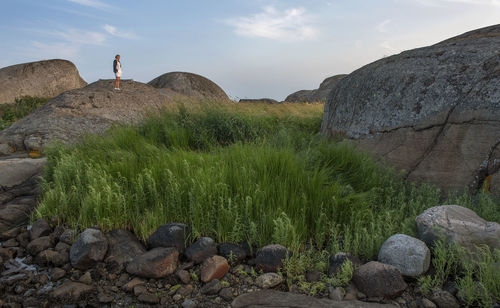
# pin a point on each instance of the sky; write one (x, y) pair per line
(250, 48)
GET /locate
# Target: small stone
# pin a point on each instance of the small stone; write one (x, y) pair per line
(177, 297)
(226, 294)
(51, 257)
(339, 259)
(11, 233)
(132, 283)
(270, 257)
(40, 244)
(149, 298)
(68, 237)
(156, 263)
(140, 289)
(19, 289)
(23, 238)
(183, 276)
(313, 276)
(90, 248)
(211, 288)
(86, 278)
(61, 246)
(10, 243)
(57, 273)
(268, 280)
(444, 299)
(104, 298)
(189, 303)
(39, 228)
(185, 291)
(336, 294)
(427, 303)
(200, 250)
(232, 252)
(74, 290)
(214, 268)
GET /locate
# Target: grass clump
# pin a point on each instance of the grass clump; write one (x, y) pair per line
(10, 113)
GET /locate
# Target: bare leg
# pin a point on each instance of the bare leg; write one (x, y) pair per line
(117, 83)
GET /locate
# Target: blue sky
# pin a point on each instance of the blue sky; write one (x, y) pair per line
(251, 48)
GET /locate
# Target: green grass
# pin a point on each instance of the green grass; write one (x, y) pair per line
(9, 113)
(259, 174)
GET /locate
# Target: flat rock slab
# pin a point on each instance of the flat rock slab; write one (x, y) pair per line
(16, 212)
(72, 291)
(16, 171)
(271, 298)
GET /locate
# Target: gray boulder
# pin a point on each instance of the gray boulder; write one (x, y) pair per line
(89, 110)
(376, 279)
(203, 248)
(432, 111)
(408, 254)
(156, 263)
(317, 95)
(170, 235)
(457, 224)
(123, 247)
(47, 78)
(271, 257)
(190, 85)
(90, 248)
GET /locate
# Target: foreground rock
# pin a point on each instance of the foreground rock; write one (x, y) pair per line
(376, 279)
(318, 95)
(123, 247)
(270, 258)
(47, 78)
(188, 84)
(432, 111)
(88, 249)
(156, 263)
(89, 110)
(72, 291)
(170, 235)
(214, 268)
(270, 298)
(457, 224)
(203, 248)
(409, 255)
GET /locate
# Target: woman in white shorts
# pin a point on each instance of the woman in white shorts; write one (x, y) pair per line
(117, 69)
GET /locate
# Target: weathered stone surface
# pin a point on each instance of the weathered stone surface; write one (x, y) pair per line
(214, 268)
(211, 288)
(72, 291)
(156, 263)
(268, 280)
(339, 259)
(183, 276)
(89, 110)
(68, 237)
(123, 246)
(170, 235)
(149, 298)
(203, 248)
(270, 257)
(190, 85)
(259, 100)
(444, 299)
(409, 255)
(52, 257)
(318, 95)
(129, 286)
(90, 248)
(39, 228)
(40, 244)
(16, 171)
(232, 252)
(271, 298)
(432, 111)
(41, 79)
(457, 224)
(57, 273)
(376, 279)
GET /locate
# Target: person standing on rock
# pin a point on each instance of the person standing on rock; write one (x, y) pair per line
(117, 69)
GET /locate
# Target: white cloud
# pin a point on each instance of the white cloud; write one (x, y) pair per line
(114, 31)
(291, 25)
(382, 27)
(80, 37)
(41, 50)
(92, 3)
(387, 46)
(443, 3)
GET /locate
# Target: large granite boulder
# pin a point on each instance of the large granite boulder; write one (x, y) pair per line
(190, 85)
(317, 95)
(457, 224)
(433, 111)
(47, 78)
(89, 110)
(409, 255)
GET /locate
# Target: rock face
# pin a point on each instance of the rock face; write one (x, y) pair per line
(317, 95)
(190, 85)
(433, 111)
(458, 224)
(47, 78)
(74, 113)
(409, 255)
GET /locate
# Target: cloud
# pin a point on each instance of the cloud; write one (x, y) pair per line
(387, 46)
(381, 27)
(113, 31)
(52, 50)
(80, 37)
(443, 3)
(92, 3)
(291, 25)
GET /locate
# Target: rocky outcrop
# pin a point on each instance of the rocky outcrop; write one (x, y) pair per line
(317, 95)
(89, 110)
(433, 111)
(47, 78)
(190, 85)
(259, 100)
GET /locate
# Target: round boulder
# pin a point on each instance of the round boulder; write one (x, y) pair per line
(457, 224)
(376, 279)
(271, 257)
(408, 254)
(88, 249)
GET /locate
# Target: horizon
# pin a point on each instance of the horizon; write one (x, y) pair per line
(251, 49)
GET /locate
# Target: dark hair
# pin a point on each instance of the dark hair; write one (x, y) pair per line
(117, 56)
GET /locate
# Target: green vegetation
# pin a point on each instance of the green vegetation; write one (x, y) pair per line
(9, 113)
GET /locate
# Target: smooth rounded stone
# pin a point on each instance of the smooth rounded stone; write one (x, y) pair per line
(123, 246)
(336, 294)
(426, 303)
(10, 243)
(90, 248)
(140, 289)
(170, 235)
(183, 276)
(232, 252)
(57, 273)
(72, 291)
(339, 259)
(185, 291)
(86, 278)
(40, 228)
(272, 298)
(189, 303)
(211, 288)
(51, 257)
(149, 298)
(271, 257)
(40, 244)
(408, 254)
(104, 298)
(376, 279)
(268, 280)
(23, 239)
(444, 299)
(459, 225)
(129, 286)
(203, 248)
(62, 247)
(177, 297)
(226, 294)
(214, 268)
(156, 263)
(68, 237)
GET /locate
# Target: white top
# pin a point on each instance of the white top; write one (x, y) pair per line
(119, 67)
